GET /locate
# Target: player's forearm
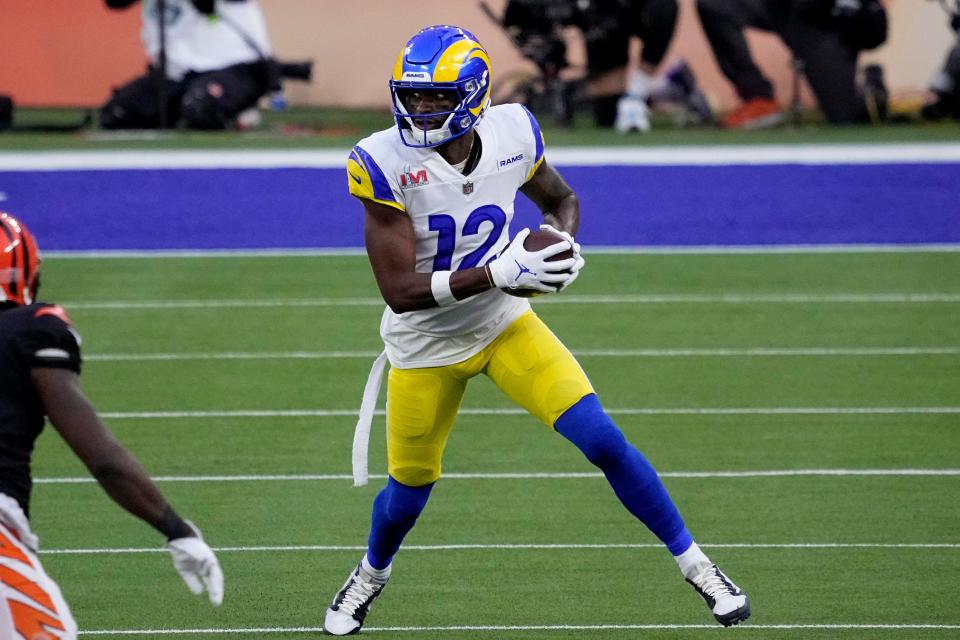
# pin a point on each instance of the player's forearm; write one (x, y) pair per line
(124, 479)
(119, 473)
(127, 483)
(564, 215)
(554, 197)
(414, 291)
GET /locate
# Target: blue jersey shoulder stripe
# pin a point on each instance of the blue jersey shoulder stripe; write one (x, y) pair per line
(537, 136)
(381, 188)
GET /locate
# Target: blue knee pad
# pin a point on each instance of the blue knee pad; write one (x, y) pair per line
(632, 477)
(395, 510)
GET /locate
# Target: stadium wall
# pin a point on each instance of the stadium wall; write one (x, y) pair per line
(62, 53)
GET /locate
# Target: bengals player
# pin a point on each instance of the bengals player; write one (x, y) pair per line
(39, 376)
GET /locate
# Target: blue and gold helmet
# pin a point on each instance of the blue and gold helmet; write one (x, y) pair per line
(441, 58)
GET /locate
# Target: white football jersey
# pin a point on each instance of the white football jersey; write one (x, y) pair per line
(199, 43)
(460, 221)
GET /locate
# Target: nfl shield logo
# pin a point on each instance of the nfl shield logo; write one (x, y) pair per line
(467, 188)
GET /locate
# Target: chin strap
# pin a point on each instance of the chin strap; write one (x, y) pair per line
(361, 433)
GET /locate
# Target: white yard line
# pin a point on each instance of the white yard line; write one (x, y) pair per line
(314, 477)
(706, 155)
(642, 411)
(507, 547)
(231, 355)
(279, 252)
(741, 629)
(598, 353)
(625, 299)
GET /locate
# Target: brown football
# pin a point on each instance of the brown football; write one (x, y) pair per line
(536, 240)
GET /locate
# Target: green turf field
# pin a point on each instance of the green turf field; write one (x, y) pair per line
(235, 381)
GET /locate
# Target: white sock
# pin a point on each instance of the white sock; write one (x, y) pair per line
(380, 575)
(692, 561)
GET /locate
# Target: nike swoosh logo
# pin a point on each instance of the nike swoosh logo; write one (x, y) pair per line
(356, 179)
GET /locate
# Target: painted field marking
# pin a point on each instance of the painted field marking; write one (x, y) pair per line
(746, 628)
(504, 547)
(663, 249)
(546, 475)
(594, 353)
(634, 411)
(701, 155)
(627, 299)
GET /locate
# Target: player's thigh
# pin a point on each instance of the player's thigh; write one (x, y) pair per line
(31, 605)
(421, 407)
(536, 370)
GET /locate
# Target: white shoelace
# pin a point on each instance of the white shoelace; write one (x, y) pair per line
(714, 584)
(357, 594)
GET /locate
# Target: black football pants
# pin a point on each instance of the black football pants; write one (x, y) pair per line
(652, 21)
(829, 61)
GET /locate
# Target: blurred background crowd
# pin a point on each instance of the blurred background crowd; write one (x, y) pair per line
(621, 64)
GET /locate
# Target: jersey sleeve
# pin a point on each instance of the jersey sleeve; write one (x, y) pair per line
(536, 151)
(367, 181)
(53, 342)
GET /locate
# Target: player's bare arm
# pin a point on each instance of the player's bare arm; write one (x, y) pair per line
(391, 248)
(40, 350)
(115, 468)
(124, 478)
(554, 197)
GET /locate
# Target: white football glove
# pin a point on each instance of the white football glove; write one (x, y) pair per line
(517, 268)
(197, 565)
(575, 269)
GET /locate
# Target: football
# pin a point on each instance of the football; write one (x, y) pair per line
(536, 240)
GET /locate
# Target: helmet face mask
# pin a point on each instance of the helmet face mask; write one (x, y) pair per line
(440, 61)
(19, 262)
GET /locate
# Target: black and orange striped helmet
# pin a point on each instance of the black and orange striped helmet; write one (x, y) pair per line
(19, 262)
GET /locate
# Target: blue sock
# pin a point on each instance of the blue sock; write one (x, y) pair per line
(395, 511)
(632, 477)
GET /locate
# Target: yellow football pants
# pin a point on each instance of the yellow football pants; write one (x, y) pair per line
(527, 362)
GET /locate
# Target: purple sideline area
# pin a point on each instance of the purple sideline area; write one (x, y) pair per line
(622, 206)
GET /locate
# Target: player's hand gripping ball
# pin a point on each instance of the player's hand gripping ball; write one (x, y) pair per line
(545, 262)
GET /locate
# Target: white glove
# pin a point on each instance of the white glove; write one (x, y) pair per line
(575, 269)
(197, 565)
(517, 268)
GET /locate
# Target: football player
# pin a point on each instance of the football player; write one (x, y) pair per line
(438, 194)
(39, 376)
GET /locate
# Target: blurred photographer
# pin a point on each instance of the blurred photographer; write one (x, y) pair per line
(607, 27)
(945, 86)
(825, 36)
(209, 61)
